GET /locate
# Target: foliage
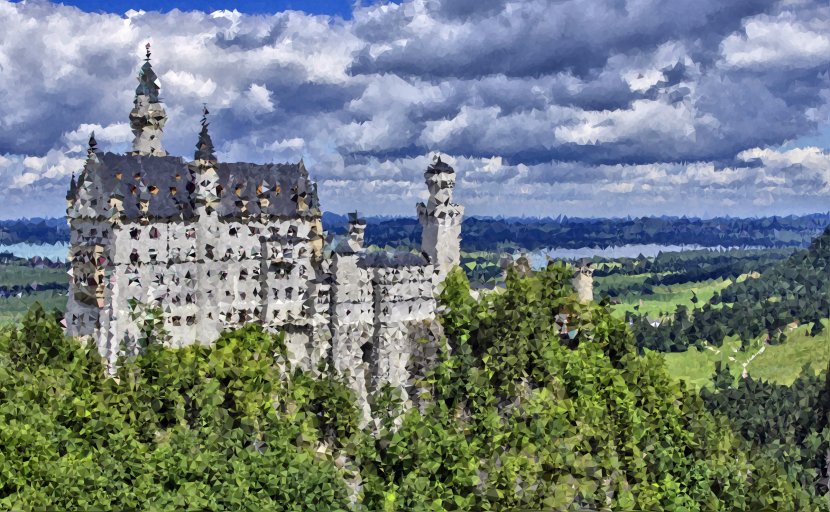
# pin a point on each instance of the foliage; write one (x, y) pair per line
(526, 417)
(790, 423)
(195, 428)
(538, 402)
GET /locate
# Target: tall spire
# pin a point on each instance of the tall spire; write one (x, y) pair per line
(148, 116)
(204, 147)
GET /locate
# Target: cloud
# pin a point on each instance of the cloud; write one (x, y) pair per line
(781, 41)
(545, 107)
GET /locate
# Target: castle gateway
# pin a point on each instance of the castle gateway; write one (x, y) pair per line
(197, 247)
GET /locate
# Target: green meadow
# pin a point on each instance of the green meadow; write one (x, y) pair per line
(777, 363)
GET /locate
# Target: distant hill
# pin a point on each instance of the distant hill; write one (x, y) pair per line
(525, 233)
(491, 234)
(34, 231)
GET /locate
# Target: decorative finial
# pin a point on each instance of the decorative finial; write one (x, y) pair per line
(147, 47)
(205, 113)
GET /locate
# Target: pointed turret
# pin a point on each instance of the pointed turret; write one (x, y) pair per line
(205, 179)
(204, 147)
(148, 117)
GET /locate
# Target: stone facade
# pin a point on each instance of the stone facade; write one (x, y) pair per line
(187, 249)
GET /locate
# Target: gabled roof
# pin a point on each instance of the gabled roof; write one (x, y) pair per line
(168, 184)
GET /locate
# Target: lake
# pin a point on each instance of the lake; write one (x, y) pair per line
(55, 252)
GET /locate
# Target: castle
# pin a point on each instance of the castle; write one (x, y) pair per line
(191, 248)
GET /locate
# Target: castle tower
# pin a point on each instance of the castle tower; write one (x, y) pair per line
(583, 281)
(207, 231)
(148, 116)
(89, 247)
(441, 220)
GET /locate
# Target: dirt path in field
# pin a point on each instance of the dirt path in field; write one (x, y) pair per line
(745, 373)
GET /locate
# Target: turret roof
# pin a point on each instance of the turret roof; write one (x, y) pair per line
(148, 84)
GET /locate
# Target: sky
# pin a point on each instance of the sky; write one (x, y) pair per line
(593, 108)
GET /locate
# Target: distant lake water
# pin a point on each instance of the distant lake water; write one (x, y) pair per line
(55, 252)
(538, 258)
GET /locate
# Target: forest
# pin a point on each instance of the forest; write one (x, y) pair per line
(789, 292)
(516, 415)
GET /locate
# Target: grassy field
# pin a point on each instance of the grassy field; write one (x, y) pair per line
(777, 363)
(782, 363)
(665, 299)
(12, 308)
(20, 275)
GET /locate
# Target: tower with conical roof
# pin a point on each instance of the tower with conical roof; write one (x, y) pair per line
(148, 116)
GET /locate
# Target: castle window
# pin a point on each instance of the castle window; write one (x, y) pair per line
(232, 231)
(173, 191)
(176, 320)
(189, 299)
(243, 274)
(190, 233)
(154, 190)
(366, 352)
(289, 293)
(154, 233)
(191, 320)
(134, 257)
